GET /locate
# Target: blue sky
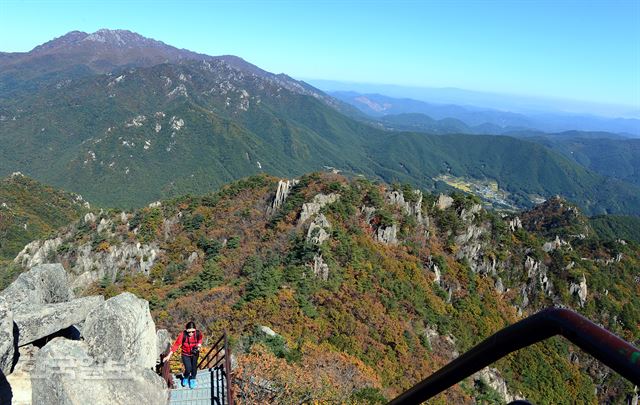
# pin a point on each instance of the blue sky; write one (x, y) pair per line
(582, 50)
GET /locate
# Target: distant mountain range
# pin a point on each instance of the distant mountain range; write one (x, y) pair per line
(126, 120)
(522, 104)
(485, 120)
(606, 153)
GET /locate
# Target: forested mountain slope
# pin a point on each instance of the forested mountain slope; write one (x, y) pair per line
(368, 286)
(135, 128)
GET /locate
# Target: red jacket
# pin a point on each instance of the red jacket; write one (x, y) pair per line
(186, 342)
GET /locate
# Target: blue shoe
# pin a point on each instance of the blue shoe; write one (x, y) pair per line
(193, 384)
(183, 382)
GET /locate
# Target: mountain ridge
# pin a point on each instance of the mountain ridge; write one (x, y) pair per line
(216, 122)
(377, 105)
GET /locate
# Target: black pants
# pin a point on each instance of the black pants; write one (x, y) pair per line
(190, 366)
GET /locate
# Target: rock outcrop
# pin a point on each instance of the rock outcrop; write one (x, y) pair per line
(412, 207)
(580, 290)
(387, 234)
(554, 244)
(7, 342)
(492, 378)
(113, 365)
(122, 330)
(36, 252)
(284, 188)
(44, 284)
(320, 268)
(444, 202)
(472, 247)
(163, 342)
(536, 279)
(38, 321)
(42, 303)
(515, 224)
(312, 208)
(367, 212)
(91, 266)
(67, 374)
(318, 230)
(469, 214)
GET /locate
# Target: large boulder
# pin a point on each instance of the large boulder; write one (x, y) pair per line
(7, 343)
(163, 341)
(66, 374)
(44, 284)
(38, 321)
(20, 377)
(122, 330)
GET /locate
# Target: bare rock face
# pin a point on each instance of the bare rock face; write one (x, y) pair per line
(387, 234)
(471, 244)
(320, 268)
(317, 232)
(531, 267)
(66, 374)
(92, 266)
(493, 379)
(163, 341)
(367, 212)
(312, 208)
(36, 252)
(7, 343)
(284, 188)
(20, 378)
(580, 289)
(90, 218)
(121, 329)
(44, 284)
(537, 273)
(469, 214)
(438, 275)
(413, 208)
(554, 244)
(444, 202)
(515, 224)
(267, 331)
(38, 321)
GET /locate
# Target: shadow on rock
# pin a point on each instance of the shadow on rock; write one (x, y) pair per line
(5, 390)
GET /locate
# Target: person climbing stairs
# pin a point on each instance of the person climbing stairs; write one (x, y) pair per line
(212, 382)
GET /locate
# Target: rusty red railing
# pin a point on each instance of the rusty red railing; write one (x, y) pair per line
(218, 361)
(614, 352)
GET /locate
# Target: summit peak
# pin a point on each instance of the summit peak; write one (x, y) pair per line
(118, 37)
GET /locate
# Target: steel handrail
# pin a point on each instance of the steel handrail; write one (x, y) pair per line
(205, 363)
(599, 342)
(215, 345)
(222, 344)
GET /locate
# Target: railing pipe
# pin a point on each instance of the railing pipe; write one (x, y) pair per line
(227, 369)
(600, 343)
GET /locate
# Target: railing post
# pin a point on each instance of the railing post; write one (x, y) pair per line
(227, 366)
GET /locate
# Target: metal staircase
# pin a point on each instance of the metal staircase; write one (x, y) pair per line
(214, 379)
(210, 390)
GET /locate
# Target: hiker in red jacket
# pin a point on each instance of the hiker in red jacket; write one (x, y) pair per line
(189, 341)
